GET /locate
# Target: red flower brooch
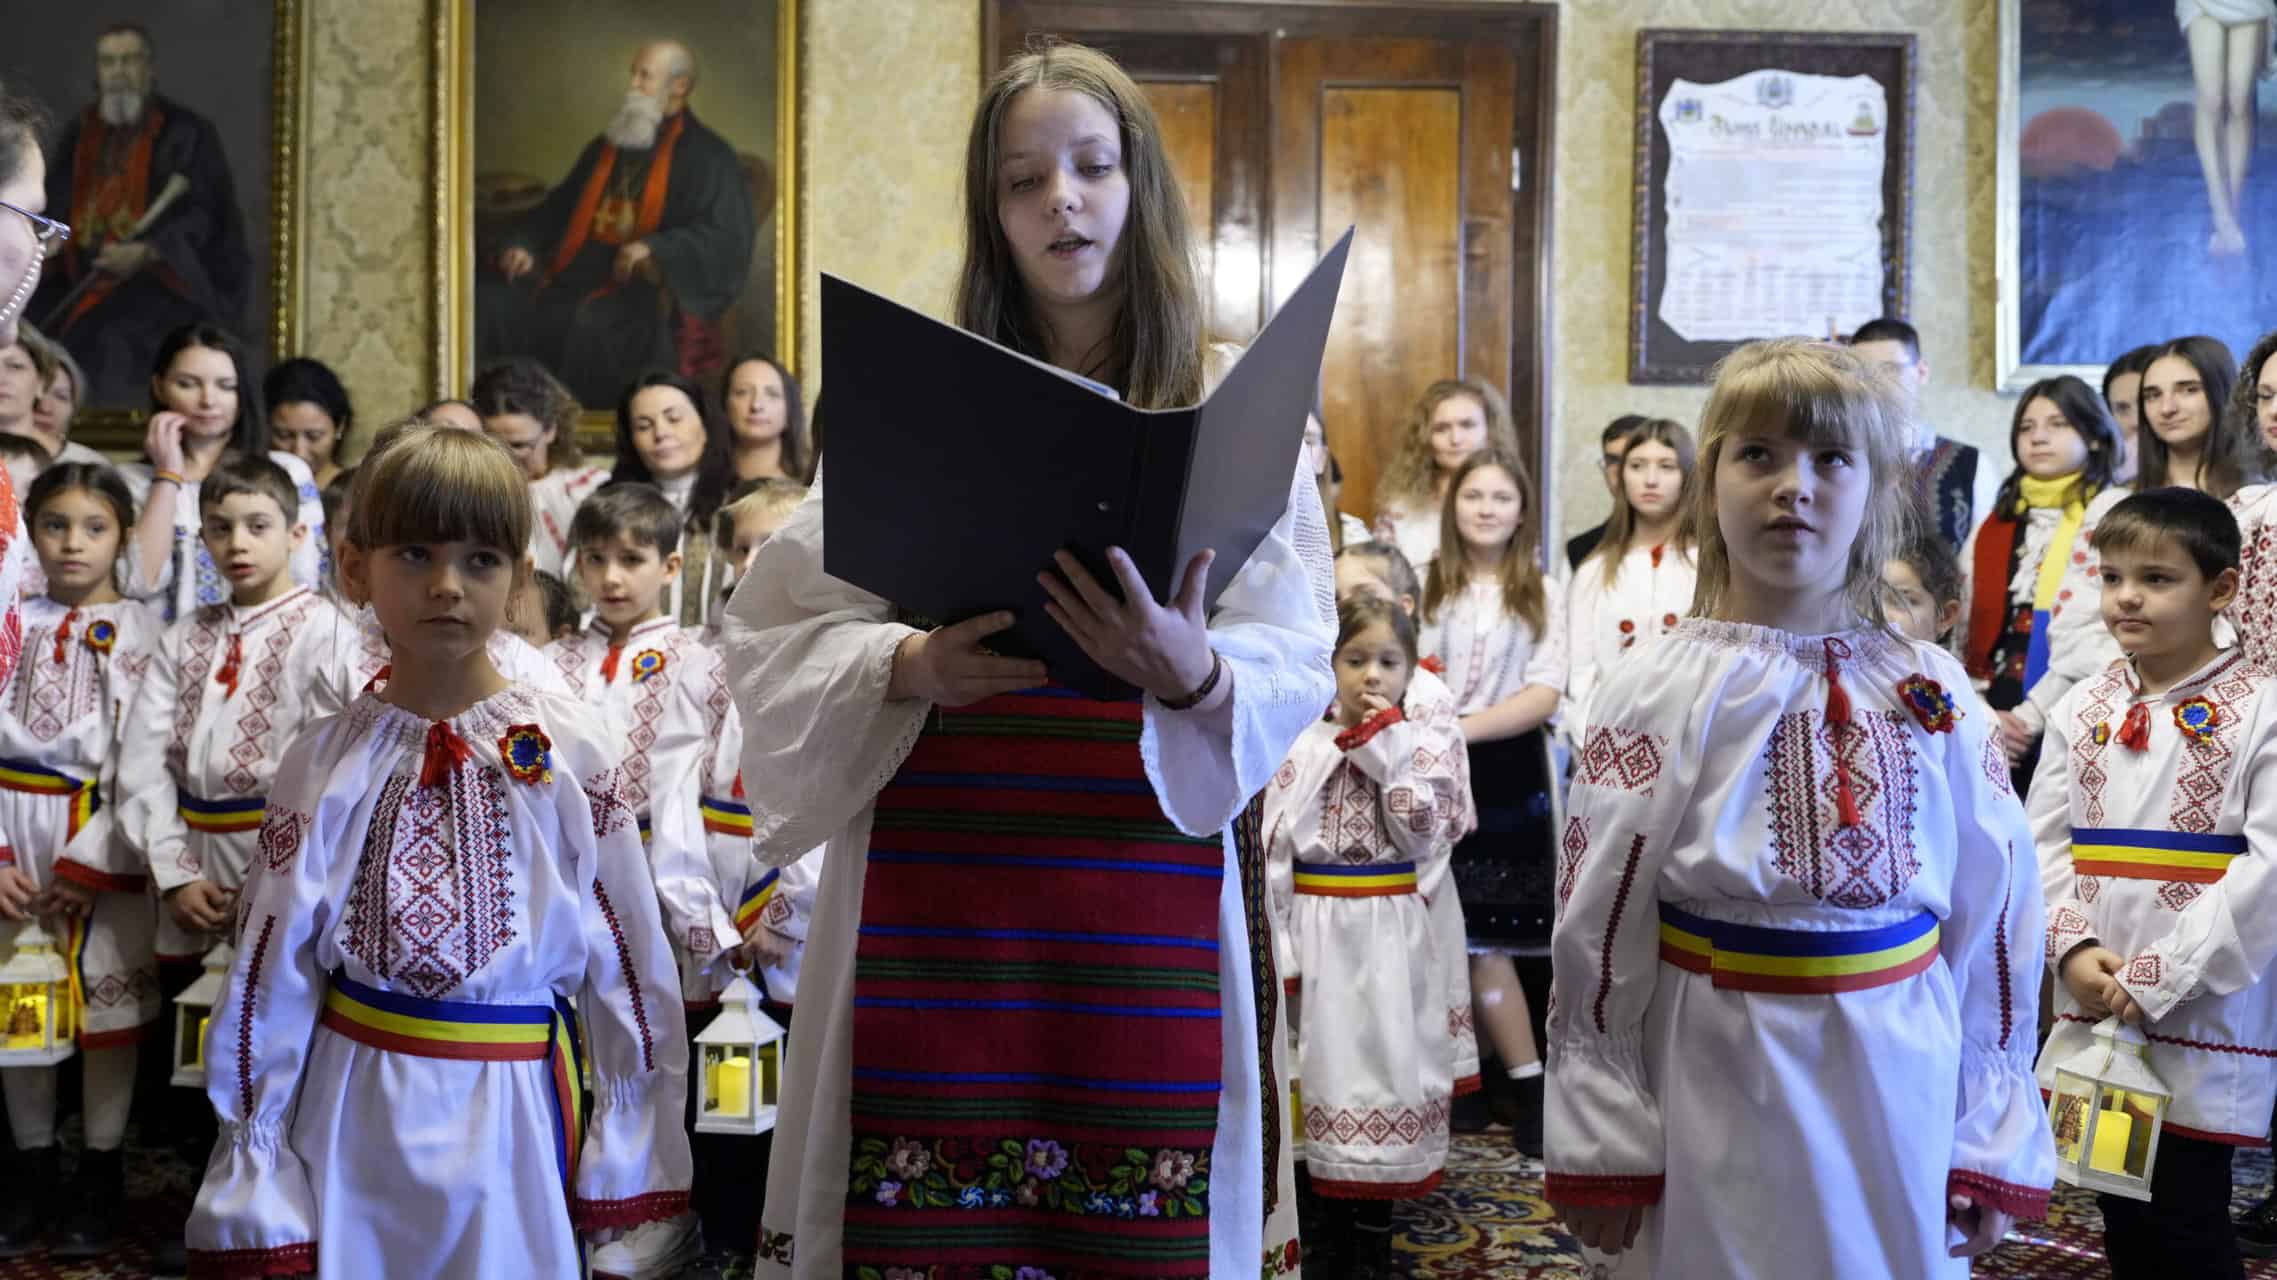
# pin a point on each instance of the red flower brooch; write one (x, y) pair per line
(646, 663)
(527, 753)
(1929, 702)
(2197, 719)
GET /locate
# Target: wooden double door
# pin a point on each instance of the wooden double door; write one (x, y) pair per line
(1428, 128)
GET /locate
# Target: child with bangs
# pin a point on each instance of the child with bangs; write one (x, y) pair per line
(1800, 925)
(1355, 818)
(397, 1088)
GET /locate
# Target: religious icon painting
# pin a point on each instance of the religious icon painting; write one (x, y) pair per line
(623, 188)
(175, 158)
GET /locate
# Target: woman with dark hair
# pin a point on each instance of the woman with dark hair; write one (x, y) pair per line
(2186, 383)
(203, 407)
(766, 419)
(2123, 395)
(665, 438)
(526, 409)
(2034, 626)
(309, 414)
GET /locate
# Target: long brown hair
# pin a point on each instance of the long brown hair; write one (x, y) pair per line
(1621, 526)
(1523, 594)
(2230, 457)
(1412, 476)
(1823, 395)
(1154, 354)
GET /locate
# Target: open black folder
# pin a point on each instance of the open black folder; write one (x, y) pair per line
(957, 467)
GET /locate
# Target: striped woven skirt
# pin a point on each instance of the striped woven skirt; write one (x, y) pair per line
(1037, 1052)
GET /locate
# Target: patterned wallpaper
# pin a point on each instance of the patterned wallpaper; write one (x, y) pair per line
(890, 84)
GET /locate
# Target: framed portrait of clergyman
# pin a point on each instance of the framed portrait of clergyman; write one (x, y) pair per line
(618, 189)
(181, 186)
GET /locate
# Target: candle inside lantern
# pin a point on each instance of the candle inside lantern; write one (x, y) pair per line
(2112, 1130)
(24, 1022)
(732, 1087)
(198, 1051)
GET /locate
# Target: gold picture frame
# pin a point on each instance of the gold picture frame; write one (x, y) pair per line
(452, 150)
(119, 431)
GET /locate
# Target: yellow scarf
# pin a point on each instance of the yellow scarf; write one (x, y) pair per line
(2036, 494)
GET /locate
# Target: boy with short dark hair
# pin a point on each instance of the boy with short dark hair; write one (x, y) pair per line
(2155, 812)
(660, 692)
(217, 707)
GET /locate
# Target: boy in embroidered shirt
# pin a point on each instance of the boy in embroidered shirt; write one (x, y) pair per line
(647, 678)
(209, 725)
(2155, 812)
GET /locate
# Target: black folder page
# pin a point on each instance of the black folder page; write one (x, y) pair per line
(957, 467)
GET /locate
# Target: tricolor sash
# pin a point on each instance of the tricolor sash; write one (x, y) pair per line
(756, 898)
(1037, 1051)
(2149, 854)
(727, 817)
(1367, 880)
(39, 780)
(216, 817)
(1743, 957)
(465, 1031)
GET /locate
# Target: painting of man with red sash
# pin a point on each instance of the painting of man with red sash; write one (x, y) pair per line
(112, 294)
(631, 261)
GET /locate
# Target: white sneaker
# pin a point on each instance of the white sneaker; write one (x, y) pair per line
(650, 1251)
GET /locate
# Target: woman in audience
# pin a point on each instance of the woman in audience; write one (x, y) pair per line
(766, 419)
(528, 410)
(2123, 395)
(665, 438)
(1456, 417)
(309, 414)
(2186, 383)
(2035, 626)
(203, 407)
(1638, 581)
(59, 403)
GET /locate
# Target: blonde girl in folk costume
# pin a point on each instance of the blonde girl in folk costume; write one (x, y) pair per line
(2253, 408)
(1358, 813)
(1493, 624)
(1456, 418)
(971, 826)
(2034, 625)
(1637, 583)
(63, 860)
(379, 1084)
(1802, 920)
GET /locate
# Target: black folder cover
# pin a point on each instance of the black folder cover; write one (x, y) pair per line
(957, 467)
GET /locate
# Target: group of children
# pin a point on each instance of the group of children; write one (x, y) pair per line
(506, 812)
(1796, 912)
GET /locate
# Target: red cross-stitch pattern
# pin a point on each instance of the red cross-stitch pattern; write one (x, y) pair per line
(364, 921)
(1351, 816)
(1570, 850)
(1612, 929)
(2205, 774)
(1996, 767)
(2066, 926)
(2090, 888)
(1622, 759)
(2104, 696)
(1374, 1126)
(198, 645)
(2254, 612)
(281, 833)
(632, 976)
(2174, 895)
(254, 765)
(573, 660)
(607, 801)
(245, 1018)
(2144, 971)
(1862, 866)
(52, 696)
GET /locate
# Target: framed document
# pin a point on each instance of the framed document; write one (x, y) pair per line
(1773, 191)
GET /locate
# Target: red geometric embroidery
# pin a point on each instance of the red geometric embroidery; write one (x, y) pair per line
(254, 764)
(364, 921)
(2144, 971)
(607, 802)
(1865, 865)
(2066, 926)
(2000, 959)
(281, 833)
(52, 696)
(2090, 888)
(1460, 1022)
(1613, 928)
(198, 645)
(2095, 707)
(2207, 757)
(1570, 850)
(1624, 759)
(245, 1019)
(2174, 895)
(632, 976)
(701, 942)
(1375, 1126)
(1996, 767)
(433, 898)
(1286, 775)
(2254, 612)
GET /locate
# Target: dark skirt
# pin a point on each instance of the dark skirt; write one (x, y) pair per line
(1505, 872)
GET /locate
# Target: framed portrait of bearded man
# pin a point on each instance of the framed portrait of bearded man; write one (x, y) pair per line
(618, 189)
(181, 185)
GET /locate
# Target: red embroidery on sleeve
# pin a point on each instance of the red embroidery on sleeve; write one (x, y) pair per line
(1610, 1191)
(1621, 759)
(2026, 1203)
(245, 1022)
(632, 977)
(1358, 735)
(2000, 957)
(1612, 928)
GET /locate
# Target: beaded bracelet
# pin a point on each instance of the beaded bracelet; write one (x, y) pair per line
(1209, 683)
